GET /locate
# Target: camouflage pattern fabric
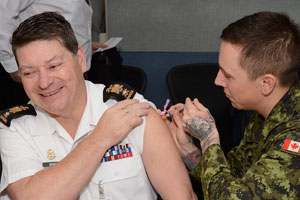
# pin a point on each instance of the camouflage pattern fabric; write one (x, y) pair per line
(259, 168)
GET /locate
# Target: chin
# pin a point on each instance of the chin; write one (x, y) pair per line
(56, 109)
(235, 105)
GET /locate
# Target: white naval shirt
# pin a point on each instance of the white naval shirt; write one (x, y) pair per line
(13, 12)
(26, 143)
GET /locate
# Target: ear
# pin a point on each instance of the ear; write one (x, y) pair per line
(268, 83)
(81, 58)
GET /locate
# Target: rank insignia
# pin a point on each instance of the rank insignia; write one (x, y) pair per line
(291, 145)
(50, 154)
(117, 152)
(118, 91)
(14, 112)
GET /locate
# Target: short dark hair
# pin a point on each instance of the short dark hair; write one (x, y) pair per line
(45, 26)
(270, 43)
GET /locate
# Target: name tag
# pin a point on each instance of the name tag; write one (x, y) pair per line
(48, 164)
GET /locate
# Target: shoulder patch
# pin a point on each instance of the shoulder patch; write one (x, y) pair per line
(292, 146)
(118, 91)
(14, 112)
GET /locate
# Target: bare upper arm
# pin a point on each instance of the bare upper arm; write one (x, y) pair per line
(162, 161)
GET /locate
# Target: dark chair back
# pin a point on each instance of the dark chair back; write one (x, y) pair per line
(197, 81)
(133, 76)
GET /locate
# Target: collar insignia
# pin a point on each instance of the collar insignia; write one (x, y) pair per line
(50, 154)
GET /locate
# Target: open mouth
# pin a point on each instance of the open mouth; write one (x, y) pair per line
(51, 93)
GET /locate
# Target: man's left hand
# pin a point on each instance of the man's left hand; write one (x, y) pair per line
(200, 123)
(97, 45)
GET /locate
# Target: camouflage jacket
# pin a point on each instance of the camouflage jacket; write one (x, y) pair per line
(265, 165)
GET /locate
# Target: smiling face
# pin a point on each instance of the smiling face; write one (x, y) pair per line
(241, 91)
(52, 76)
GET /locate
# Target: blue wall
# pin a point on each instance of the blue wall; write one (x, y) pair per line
(157, 64)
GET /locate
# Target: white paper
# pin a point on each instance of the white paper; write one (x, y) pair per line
(112, 42)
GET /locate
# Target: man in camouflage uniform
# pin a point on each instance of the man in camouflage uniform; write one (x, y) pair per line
(259, 58)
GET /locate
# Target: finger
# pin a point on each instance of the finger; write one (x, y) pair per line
(177, 118)
(96, 45)
(174, 107)
(199, 105)
(133, 117)
(103, 45)
(172, 127)
(125, 103)
(190, 110)
(165, 119)
(137, 106)
(189, 104)
(138, 112)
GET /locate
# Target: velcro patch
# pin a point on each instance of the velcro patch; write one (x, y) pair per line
(291, 145)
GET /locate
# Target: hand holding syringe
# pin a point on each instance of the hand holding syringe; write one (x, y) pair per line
(165, 113)
(169, 114)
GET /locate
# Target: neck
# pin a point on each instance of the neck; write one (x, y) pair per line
(70, 120)
(269, 102)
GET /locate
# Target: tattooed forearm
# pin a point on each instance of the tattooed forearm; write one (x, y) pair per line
(199, 127)
(192, 159)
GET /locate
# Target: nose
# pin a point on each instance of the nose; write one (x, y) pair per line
(219, 80)
(45, 79)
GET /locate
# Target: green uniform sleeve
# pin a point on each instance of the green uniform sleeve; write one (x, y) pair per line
(274, 176)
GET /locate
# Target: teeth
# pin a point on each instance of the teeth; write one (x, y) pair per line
(51, 93)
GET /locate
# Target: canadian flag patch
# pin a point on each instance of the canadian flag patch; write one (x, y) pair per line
(291, 145)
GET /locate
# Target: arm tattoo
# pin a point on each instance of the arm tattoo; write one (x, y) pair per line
(192, 159)
(199, 127)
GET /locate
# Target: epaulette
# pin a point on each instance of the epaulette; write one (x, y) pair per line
(118, 91)
(14, 112)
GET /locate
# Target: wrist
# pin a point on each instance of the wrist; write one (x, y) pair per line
(213, 138)
(188, 148)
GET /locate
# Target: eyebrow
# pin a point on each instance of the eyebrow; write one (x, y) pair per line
(221, 68)
(47, 62)
(21, 67)
(52, 59)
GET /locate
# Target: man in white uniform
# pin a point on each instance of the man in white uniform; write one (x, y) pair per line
(69, 142)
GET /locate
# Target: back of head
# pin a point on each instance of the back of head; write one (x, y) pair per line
(270, 43)
(45, 26)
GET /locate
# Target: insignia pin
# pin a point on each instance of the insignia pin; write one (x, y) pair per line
(50, 154)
